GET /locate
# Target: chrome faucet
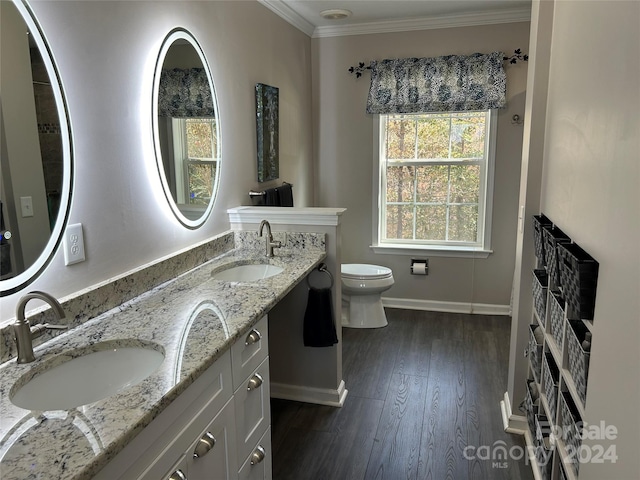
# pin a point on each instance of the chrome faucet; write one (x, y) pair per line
(25, 333)
(270, 244)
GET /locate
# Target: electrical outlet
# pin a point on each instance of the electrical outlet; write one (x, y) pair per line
(73, 244)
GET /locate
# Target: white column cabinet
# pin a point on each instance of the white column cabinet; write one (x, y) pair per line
(250, 363)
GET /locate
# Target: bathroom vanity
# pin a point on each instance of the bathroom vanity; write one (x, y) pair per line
(205, 409)
(218, 428)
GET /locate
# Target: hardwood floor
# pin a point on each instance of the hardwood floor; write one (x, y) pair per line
(424, 393)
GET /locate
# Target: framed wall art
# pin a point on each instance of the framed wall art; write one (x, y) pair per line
(267, 132)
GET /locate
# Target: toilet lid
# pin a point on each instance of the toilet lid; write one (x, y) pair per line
(364, 271)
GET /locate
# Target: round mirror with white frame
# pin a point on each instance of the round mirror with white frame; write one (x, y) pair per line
(36, 150)
(186, 128)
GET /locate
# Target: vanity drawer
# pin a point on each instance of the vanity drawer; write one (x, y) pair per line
(253, 409)
(249, 351)
(261, 468)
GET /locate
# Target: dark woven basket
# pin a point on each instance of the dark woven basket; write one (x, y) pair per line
(540, 221)
(539, 287)
(531, 409)
(552, 237)
(556, 317)
(571, 430)
(544, 455)
(578, 358)
(550, 378)
(579, 278)
(535, 353)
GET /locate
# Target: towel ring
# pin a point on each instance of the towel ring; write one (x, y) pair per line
(321, 268)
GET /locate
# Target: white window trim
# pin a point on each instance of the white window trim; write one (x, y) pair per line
(434, 250)
(181, 163)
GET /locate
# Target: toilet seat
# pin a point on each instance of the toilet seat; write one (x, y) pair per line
(360, 271)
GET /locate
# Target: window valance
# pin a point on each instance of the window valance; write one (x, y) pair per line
(440, 84)
(185, 93)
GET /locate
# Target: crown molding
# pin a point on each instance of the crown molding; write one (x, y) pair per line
(426, 23)
(285, 12)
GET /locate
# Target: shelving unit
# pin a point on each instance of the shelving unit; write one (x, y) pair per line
(558, 377)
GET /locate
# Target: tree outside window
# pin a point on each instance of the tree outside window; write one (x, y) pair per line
(434, 178)
(196, 159)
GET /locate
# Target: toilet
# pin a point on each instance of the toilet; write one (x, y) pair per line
(362, 285)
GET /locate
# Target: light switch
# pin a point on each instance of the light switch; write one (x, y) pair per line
(26, 205)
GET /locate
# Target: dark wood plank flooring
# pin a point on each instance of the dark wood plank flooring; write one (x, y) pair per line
(423, 391)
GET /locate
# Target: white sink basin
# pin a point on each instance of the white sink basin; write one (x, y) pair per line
(247, 273)
(86, 376)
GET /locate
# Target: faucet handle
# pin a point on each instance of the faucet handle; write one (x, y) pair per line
(38, 330)
(282, 243)
(50, 326)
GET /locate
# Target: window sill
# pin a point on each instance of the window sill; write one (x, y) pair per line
(432, 251)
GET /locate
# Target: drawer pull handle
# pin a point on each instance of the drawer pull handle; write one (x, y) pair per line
(254, 382)
(205, 444)
(258, 455)
(253, 337)
(178, 475)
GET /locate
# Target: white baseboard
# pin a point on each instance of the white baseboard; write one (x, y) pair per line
(452, 307)
(518, 424)
(319, 396)
(512, 423)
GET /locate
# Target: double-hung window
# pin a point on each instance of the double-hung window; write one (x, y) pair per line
(196, 154)
(436, 181)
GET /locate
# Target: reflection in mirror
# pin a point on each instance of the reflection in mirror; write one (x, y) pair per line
(35, 153)
(186, 128)
(35, 425)
(197, 336)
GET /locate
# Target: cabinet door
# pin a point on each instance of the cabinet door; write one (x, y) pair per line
(258, 465)
(253, 409)
(212, 455)
(152, 453)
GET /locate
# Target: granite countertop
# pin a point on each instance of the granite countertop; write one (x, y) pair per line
(193, 319)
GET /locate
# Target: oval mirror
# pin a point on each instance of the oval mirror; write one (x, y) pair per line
(186, 128)
(35, 155)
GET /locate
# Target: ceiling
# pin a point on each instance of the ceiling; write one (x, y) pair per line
(380, 16)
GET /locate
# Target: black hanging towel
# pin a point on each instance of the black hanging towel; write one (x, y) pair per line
(272, 197)
(285, 192)
(319, 328)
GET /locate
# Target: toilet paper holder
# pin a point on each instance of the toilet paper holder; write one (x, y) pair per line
(419, 266)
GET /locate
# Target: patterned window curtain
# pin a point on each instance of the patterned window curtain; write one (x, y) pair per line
(452, 83)
(185, 93)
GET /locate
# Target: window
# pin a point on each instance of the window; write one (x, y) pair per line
(435, 181)
(196, 159)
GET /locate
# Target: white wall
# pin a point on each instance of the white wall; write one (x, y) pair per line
(591, 189)
(344, 146)
(106, 53)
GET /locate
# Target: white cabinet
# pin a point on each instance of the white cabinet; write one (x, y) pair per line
(211, 455)
(253, 410)
(258, 465)
(218, 428)
(249, 352)
(250, 364)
